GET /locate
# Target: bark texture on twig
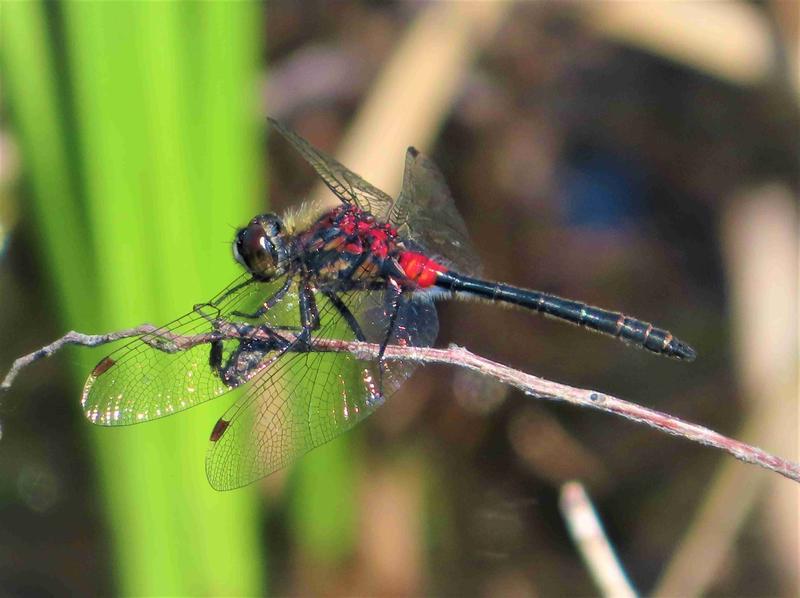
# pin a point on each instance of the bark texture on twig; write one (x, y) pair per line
(453, 355)
(546, 389)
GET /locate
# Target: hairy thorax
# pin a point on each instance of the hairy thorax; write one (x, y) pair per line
(347, 245)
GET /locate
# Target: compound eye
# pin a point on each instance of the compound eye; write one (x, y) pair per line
(255, 251)
(264, 258)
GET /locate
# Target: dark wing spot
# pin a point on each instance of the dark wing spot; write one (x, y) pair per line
(219, 429)
(102, 367)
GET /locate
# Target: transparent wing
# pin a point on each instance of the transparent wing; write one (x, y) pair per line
(308, 398)
(139, 382)
(426, 214)
(345, 184)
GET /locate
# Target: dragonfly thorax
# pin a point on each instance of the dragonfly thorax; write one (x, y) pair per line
(263, 247)
(347, 246)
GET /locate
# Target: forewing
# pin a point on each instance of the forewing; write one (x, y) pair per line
(345, 184)
(139, 383)
(308, 398)
(426, 214)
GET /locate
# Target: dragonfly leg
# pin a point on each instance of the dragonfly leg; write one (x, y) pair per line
(254, 345)
(231, 291)
(268, 304)
(393, 294)
(215, 358)
(201, 310)
(348, 316)
(309, 314)
(375, 396)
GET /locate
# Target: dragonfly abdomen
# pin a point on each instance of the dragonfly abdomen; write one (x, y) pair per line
(630, 330)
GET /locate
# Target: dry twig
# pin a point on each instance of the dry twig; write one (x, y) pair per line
(596, 550)
(453, 355)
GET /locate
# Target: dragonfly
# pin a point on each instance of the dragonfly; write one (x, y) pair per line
(367, 270)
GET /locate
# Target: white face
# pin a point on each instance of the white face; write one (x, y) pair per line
(238, 256)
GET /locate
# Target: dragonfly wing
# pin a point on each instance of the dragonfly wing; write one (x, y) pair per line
(426, 213)
(139, 382)
(307, 398)
(416, 325)
(345, 184)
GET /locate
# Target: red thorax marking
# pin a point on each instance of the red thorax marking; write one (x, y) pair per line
(376, 236)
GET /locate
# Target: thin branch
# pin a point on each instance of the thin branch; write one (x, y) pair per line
(546, 389)
(589, 536)
(71, 338)
(531, 385)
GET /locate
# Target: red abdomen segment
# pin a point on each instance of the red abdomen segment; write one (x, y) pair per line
(420, 269)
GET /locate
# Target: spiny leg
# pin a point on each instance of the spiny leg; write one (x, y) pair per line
(217, 347)
(309, 314)
(231, 291)
(348, 316)
(254, 343)
(393, 293)
(269, 303)
(375, 392)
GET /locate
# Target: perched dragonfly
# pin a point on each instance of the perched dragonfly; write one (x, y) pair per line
(366, 270)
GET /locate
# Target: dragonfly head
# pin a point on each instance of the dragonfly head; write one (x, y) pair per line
(262, 247)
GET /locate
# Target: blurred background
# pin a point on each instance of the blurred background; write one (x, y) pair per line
(638, 156)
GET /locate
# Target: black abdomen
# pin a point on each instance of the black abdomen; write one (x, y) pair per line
(630, 330)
